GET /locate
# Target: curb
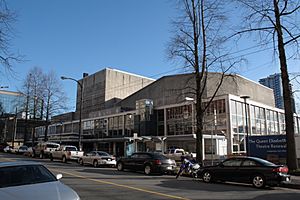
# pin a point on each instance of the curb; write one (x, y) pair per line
(290, 185)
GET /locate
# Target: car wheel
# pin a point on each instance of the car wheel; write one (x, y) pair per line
(259, 181)
(64, 159)
(207, 177)
(51, 157)
(120, 166)
(95, 163)
(147, 170)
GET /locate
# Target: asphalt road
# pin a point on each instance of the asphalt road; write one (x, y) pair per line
(108, 183)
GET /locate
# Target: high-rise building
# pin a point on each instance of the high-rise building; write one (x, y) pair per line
(10, 101)
(274, 82)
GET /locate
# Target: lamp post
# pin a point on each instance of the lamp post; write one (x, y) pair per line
(247, 129)
(193, 112)
(80, 107)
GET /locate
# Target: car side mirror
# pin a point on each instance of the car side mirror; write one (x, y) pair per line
(59, 176)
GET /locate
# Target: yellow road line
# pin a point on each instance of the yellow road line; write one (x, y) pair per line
(7, 159)
(123, 186)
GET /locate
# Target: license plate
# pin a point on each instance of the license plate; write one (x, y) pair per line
(169, 168)
(109, 159)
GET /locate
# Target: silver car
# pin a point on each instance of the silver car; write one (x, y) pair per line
(30, 180)
(98, 158)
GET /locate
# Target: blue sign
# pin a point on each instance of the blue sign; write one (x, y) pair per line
(270, 147)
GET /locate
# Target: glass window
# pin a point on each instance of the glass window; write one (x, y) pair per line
(144, 156)
(160, 115)
(134, 155)
(101, 153)
(232, 163)
(233, 107)
(249, 163)
(23, 175)
(239, 110)
(71, 149)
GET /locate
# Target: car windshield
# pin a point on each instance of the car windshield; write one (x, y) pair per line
(103, 154)
(264, 162)
(71, 149)
(52, 145)
(25, 174)
(159, 156)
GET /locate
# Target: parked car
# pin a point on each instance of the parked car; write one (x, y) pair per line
(65, 153)
(147, 162)
(29, 152)
(44, 149)
(177, 154)
(22, 149)
(7, 149)
(98, 158)
(30, 180)
(255, 171)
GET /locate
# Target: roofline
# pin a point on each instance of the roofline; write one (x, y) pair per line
(117, 70)
(132, 74)
(253, 81)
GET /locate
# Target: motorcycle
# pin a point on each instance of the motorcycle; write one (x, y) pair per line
(190, 168)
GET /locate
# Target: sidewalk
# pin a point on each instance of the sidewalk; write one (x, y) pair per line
(294, 184)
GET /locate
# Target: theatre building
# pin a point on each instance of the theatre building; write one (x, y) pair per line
(123, 113)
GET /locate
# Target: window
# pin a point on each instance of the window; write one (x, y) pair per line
(71, 149)
(103, 154)
(249, 163)
(135, 155)
(23, 175)
(144, 156)
(233, 163)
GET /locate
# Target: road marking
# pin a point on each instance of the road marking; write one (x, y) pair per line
(8, 159)
(122, 186)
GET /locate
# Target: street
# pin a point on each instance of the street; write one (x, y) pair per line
(108, 183)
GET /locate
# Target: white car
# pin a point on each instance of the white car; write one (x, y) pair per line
(98, 158)
(7, 149)
(22, 149)
(30, 180)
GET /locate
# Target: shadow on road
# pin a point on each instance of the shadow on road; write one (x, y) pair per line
(213, 187)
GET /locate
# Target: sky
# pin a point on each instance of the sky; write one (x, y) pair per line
(72, 37)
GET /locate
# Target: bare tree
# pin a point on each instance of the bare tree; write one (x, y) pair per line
(7, 18)
(55, 98)
(277, 21)
(26, 92)
(199, 42)
(42, 92)
(37, 79)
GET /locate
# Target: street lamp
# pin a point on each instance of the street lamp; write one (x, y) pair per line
(193, 117)
(247, 129)
(80, 108)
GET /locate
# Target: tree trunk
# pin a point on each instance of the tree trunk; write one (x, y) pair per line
(289, 118)
(47, 120)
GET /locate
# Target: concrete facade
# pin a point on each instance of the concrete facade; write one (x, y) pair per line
(174, 89)
(103, 89)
